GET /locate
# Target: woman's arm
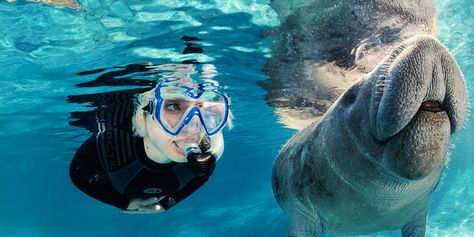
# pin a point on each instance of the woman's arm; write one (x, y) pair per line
(170, 200)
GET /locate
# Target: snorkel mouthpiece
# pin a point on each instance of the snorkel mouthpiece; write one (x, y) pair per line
(201, 164)
(189, 147)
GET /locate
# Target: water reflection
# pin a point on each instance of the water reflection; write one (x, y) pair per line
(63, 3)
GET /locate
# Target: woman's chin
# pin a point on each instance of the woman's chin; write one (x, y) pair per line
(181, 159)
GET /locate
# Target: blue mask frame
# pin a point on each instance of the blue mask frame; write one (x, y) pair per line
(195, 111)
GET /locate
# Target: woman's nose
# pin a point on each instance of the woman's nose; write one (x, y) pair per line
(193, 127)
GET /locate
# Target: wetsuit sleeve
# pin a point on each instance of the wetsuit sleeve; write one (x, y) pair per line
(88, 175)
(170, 200)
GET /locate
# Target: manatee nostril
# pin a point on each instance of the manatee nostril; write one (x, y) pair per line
(432, 106)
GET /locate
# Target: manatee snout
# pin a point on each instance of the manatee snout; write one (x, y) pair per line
(421, 101)
(419, 71)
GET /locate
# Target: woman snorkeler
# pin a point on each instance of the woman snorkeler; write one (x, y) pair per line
(153, 152)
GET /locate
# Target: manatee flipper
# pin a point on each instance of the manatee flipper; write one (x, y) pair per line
(303, 223)
(417, 226)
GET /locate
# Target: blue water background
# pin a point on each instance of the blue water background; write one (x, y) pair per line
(43, 47)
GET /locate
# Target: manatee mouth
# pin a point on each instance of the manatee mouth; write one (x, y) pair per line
(432, 106)
(396, 112)
(392, 118)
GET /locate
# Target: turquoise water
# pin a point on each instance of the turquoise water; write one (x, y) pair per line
(42, 49)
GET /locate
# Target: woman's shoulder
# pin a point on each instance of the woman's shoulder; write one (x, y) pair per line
(117, 144)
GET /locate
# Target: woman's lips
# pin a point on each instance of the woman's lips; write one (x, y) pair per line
(180, 150)
(177, 148)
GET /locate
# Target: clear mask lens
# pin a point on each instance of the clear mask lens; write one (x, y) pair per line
(179, 109)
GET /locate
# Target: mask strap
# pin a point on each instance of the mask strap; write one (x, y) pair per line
(148, 108)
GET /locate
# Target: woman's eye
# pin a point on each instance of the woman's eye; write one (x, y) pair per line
(214, 110)
(173, 107)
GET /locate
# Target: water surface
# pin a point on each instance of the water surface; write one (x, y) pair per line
(42, 50)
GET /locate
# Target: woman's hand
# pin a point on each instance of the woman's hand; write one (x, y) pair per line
(144, 206)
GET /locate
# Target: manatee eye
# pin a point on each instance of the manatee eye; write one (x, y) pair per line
(350, 96)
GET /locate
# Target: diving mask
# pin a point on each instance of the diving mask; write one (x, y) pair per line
(178, 107)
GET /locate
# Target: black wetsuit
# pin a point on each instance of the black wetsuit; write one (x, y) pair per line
(112, 165)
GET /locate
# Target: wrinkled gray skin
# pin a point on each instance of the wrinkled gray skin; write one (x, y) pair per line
(373, 160)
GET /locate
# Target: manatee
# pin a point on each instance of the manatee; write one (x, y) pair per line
(385, 112)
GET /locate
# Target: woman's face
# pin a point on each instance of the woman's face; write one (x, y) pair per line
(167, 144)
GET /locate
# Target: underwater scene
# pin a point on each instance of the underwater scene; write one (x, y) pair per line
(65, 63)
